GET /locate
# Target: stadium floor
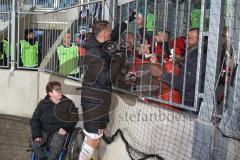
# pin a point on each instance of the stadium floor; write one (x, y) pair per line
(14, 135)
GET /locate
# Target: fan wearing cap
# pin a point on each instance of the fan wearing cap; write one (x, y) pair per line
(29, 50)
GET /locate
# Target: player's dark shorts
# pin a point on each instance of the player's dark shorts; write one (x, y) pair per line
(95, 106)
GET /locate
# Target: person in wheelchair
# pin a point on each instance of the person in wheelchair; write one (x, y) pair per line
(54, 117)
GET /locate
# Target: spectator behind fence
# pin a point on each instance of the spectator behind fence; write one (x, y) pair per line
(81, 51)
(190, 78)
(170, 65)
(125, 80)
(79, 42)
(68, 57)
(4, 52)
(138, 64)
(81, 38)
(225, 56)
(83, 16)
(180, 47)
(30, 55)
(128, 43)
(161, 40)
(226, 69)
(54, 117)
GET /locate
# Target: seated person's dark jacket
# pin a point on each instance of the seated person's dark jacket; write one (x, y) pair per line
(49, 117)
(190, 77)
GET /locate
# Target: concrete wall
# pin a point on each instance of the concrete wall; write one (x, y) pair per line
(21, 92)
(18, 93)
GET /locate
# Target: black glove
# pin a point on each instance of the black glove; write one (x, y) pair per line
(131, 15)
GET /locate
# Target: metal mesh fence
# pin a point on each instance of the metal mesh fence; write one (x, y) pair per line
(180, 54)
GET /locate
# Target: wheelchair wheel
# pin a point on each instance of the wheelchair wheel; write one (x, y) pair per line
(33, 157)
(75, 144)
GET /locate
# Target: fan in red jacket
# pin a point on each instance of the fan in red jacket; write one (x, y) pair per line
(165, 92)
(179, 47)
(161, 45)
(179, 53)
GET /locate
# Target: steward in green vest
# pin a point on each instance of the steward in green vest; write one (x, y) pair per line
(68, 57)
(29, 54)
(29, 50)
(4, 52)
(195, 18)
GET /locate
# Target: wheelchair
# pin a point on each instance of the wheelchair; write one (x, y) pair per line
(71, 148)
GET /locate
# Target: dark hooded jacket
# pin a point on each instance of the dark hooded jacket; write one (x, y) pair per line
(100, 65)
(190, 78)
(49, 117)
(102, 68)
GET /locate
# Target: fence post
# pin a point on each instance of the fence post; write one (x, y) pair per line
(204, 130)
(13, 36)
(214, 47)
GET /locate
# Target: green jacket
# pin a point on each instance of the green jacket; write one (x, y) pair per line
(29, 53)
(195, 18)
(68, 59)
(5, 47)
